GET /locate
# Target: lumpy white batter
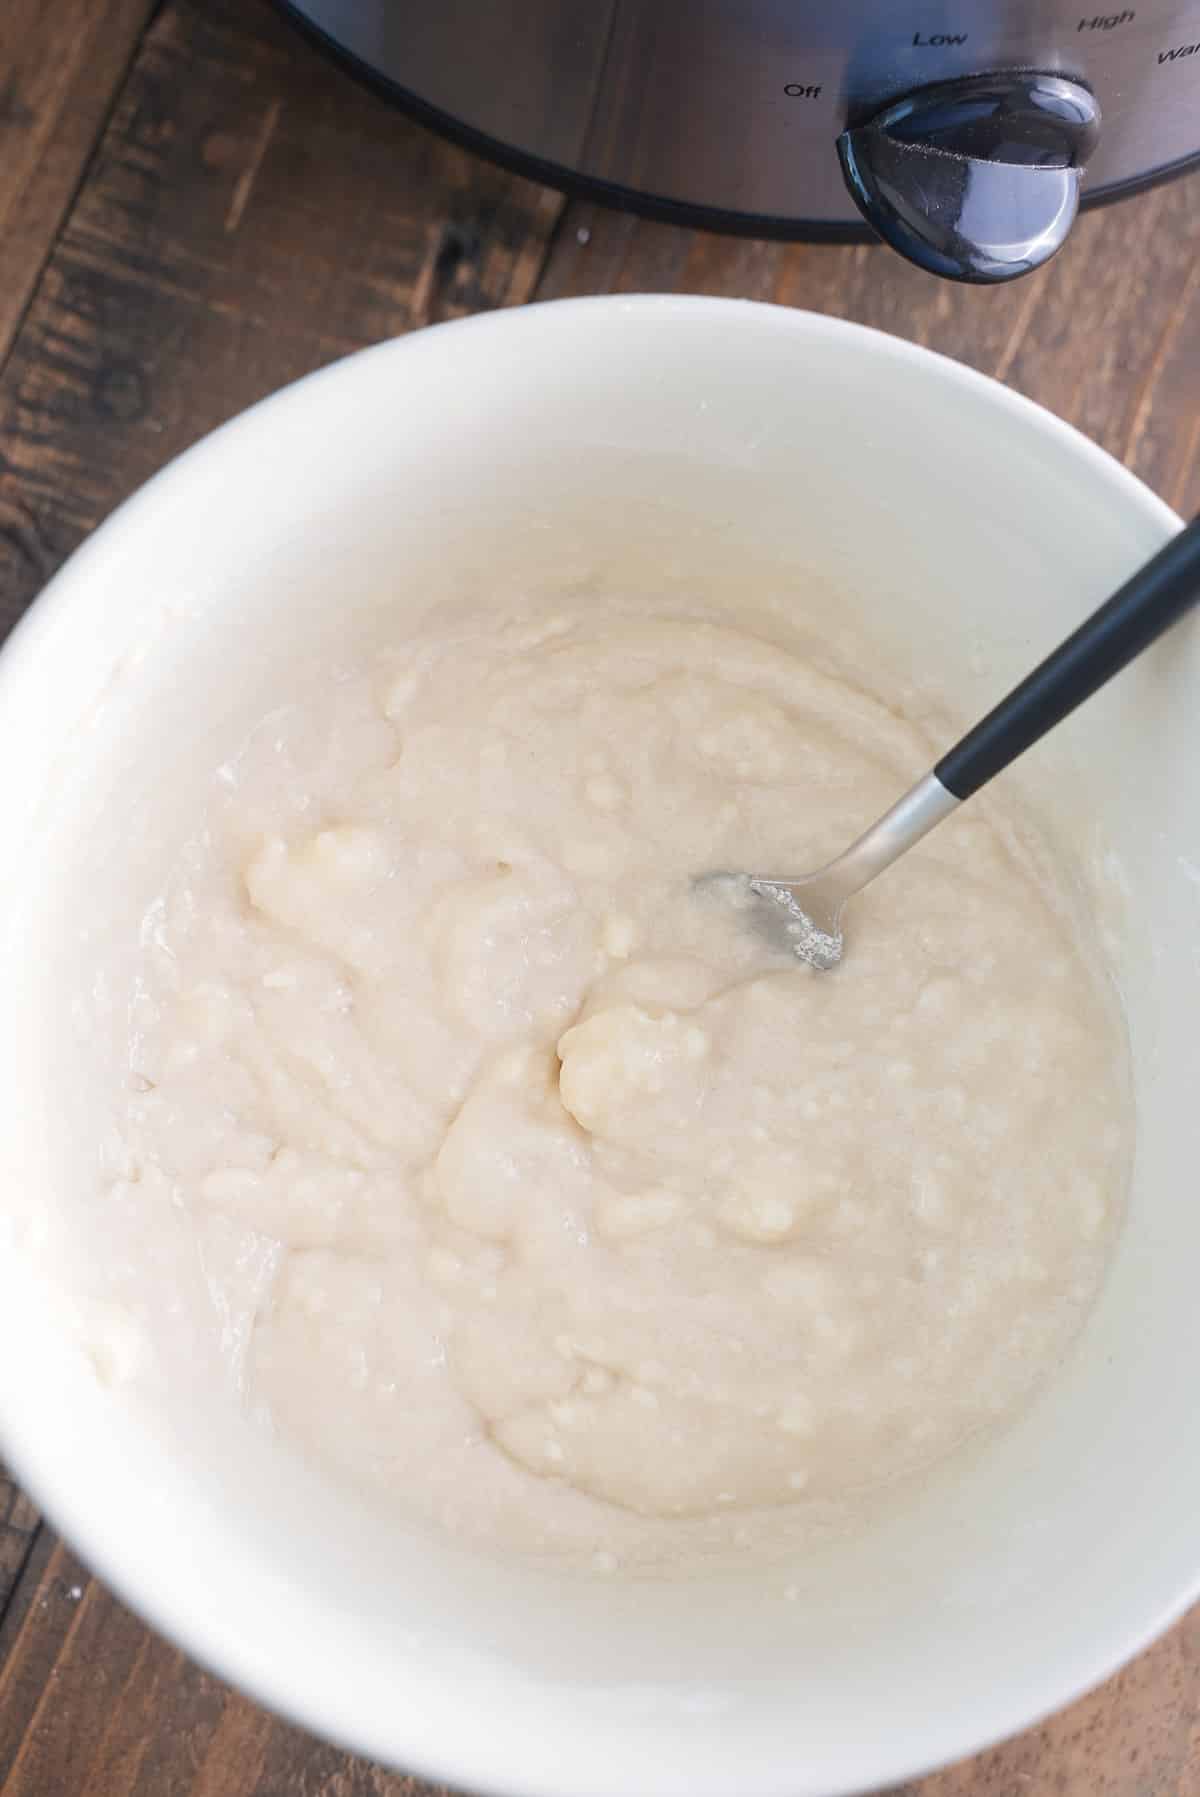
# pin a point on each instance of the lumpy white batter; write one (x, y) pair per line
(556, 1204)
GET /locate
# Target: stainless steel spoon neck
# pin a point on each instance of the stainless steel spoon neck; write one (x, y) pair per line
(925, 805)
(812, 906)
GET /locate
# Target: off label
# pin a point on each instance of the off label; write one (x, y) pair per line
(798, 90)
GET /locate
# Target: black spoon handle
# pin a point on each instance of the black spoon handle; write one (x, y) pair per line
(1149, 602)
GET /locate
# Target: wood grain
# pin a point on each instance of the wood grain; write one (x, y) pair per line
(251, 214)
(18, 1527)
(94, 1705)
(61, 62)
(247, 215)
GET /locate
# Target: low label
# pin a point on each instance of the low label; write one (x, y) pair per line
(940, 40)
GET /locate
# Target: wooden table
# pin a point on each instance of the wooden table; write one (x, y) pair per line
(196, 207)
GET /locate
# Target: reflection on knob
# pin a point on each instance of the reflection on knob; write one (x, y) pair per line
(976, 179)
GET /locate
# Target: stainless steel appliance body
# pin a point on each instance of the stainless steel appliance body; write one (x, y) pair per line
(728, 112)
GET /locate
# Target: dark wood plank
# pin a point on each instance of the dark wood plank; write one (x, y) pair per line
(1108, 336)
(251, 214)
(18, 1527)
(61, 63)
(94, 1705)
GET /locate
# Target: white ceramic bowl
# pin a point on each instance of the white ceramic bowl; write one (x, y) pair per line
(968, 530)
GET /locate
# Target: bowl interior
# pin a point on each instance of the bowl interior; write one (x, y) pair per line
(904, 503)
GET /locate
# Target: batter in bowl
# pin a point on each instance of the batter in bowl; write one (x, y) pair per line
(553, 1203)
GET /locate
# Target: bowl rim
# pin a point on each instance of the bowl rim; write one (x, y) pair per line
(165, 1594)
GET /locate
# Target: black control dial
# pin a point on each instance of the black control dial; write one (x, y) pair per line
(976, 179)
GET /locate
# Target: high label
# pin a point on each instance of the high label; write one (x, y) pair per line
(1106, 21)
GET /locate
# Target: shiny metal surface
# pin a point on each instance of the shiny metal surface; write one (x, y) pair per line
(734, 106)
(976, 179)
(810, 905)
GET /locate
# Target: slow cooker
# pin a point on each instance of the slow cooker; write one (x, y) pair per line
(963, 133)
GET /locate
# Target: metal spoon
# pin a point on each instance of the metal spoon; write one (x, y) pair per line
(806, 911)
